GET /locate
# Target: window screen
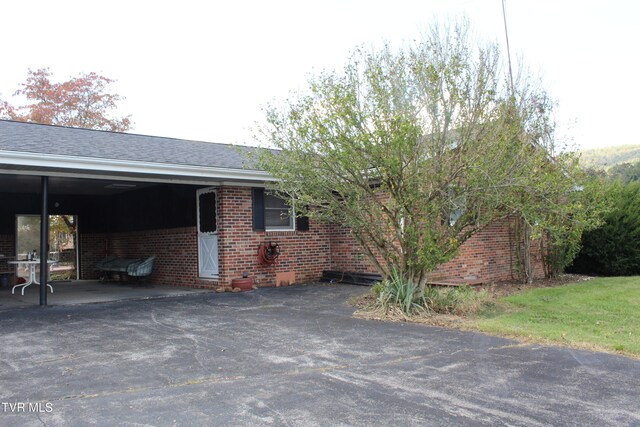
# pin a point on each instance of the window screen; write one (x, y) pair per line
(207, 212)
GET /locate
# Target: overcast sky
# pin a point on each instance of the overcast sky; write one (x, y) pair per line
(204, 69)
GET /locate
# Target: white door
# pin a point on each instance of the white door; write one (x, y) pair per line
(207, 233)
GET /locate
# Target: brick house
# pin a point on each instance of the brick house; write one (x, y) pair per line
(199, 207)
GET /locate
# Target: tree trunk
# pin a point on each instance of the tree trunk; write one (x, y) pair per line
(523, 231)
(526, 251)
(547, 258)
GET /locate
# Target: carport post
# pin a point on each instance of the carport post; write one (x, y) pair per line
(44, 239)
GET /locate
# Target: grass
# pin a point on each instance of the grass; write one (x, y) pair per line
(599, 314)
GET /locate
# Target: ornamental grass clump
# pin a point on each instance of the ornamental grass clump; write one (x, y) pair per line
(398, 295)
(459, 300)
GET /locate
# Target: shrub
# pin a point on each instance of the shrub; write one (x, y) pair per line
(458, 300)
(397, 292)
(614, 248)
(377, 289)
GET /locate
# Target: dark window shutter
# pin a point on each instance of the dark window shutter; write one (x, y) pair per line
(258, 208)
(302, 223)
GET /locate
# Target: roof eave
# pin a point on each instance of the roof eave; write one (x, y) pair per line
(114, 167)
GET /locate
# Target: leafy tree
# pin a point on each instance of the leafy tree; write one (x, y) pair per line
(625, 172)
(560, 204)
(413, 150)
(575, 207)
(614, 248)
(82, 102)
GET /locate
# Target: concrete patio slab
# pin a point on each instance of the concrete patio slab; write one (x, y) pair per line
(291, 356)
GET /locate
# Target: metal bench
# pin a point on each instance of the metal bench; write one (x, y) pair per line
(133, 267)
(142, 269)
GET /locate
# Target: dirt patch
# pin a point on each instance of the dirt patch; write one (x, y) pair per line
(432, 319)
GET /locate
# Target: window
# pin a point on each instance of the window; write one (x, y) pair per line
(207, 212)
(457, 206)
(456, 213)
(271, 213)
(277, 213)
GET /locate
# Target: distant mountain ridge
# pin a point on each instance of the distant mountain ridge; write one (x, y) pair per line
(604, 158)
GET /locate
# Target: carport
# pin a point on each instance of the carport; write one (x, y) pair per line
(129, 195)
(104, 212)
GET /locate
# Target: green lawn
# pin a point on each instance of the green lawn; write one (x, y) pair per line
(601, 314)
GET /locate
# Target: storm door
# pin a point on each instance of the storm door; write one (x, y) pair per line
(207, 233)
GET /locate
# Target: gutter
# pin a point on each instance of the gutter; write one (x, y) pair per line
(74, 165)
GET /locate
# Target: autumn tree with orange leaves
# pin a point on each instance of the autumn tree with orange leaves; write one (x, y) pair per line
(82, 102)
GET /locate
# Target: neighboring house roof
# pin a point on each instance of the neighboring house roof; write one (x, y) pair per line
(46, 147)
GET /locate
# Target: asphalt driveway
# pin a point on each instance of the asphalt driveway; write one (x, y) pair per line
(290, 356)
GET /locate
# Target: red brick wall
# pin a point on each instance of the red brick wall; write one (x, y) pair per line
(8, 249)
(306, 253)
(93, 247)
(7, 245)
(175, 250)
(487, 256)
(346, 254)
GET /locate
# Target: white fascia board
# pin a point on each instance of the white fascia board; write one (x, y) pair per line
(108, 167)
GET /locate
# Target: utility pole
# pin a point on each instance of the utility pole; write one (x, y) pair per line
(506, 35)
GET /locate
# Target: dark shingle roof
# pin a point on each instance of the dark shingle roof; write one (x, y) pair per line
(65, 141)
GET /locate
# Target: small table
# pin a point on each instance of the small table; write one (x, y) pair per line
(32, 273)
